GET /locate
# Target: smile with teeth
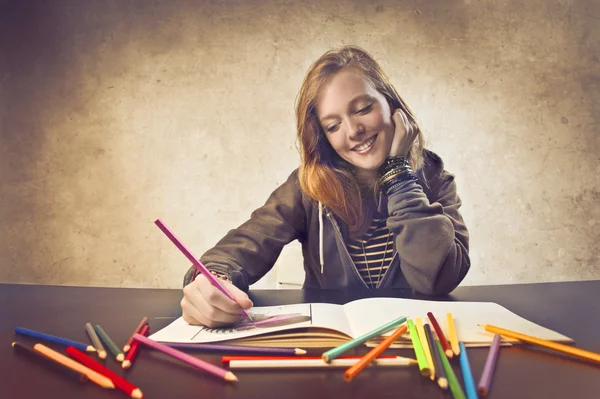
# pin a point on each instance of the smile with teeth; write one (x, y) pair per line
(366, 145)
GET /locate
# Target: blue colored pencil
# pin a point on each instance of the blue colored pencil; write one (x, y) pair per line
(470, 389)
(55, 339)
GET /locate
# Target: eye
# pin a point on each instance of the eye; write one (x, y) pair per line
(365, 109)
(332, 128)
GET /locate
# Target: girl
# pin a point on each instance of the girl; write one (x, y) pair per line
(371, 207)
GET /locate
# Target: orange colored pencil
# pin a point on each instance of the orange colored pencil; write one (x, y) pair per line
(92, 375)
(127, 345)
(569, 350)
(441, 336)
(135, 348)
(373, 353)
(120, 382)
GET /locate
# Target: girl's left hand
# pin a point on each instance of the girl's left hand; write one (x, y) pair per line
(404, 135)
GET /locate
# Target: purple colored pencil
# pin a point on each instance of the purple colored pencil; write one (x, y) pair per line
(488, 369)
(184, 357)
(254, 350)
(201, 268)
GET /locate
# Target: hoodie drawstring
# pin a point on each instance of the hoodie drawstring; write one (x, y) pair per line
(321, 257)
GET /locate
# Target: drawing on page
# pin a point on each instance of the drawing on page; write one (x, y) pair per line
(277, 316)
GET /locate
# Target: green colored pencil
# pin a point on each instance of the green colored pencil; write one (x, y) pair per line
(339, 350)
(414, 337)
(112, 347)
(455, 388)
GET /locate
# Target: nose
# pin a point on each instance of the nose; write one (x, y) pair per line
(355, 129)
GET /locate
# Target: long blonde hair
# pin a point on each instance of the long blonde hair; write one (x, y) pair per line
(324, 175)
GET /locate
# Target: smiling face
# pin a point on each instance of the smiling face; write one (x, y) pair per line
(356, 119)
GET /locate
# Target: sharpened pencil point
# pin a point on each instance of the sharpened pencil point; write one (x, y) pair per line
(325, 358)
(126, 348)
(90, 348)
(300, 351)
(443, 383)
(120, 357)
(126, 364)
(449, 353)
(229, 376)
(137, 394)
(102, 354)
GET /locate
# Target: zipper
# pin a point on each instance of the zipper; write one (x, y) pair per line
(339, 235)
(387, 270)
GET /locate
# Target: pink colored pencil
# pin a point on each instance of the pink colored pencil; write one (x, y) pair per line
(201, 268)
(184, 357)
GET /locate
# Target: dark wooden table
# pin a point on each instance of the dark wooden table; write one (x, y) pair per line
(571, 308)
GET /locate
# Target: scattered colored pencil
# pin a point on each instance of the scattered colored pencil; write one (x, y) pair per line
(139, 327)
(92, 375)
(48, 362)
(119, 381)
(455, 388)
(488, 369)
(418, 348)
(452, 336)
(337, 351)
(134, 349)
(373, 353)
(184, 357)
(300, 363)
(466, 372)
(95, 341)
(259, 350)
(439, 367)
(440, 334)
(425, 345)
(226, 359)
(55, 339)
(569, 350)
(112, 347)
(201, 268)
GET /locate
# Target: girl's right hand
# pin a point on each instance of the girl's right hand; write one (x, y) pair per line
(204, 304)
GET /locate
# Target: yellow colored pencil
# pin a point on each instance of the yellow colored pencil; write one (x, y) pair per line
(92, 375)
(423, 338)
(452, 337)
(569, 350)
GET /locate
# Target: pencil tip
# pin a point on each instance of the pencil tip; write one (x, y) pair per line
(449, 353)
(137, 394)
(120, 357)
(126, 348)
(325, 358)
(126, 364)
(443, 383)
(90, 349)
(102, 354)
(229, 376)
(300, 351)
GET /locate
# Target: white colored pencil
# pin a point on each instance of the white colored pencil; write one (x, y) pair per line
(316, 363)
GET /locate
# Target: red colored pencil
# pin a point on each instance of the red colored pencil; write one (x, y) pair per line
(227, 359)
(141, 325)
(438, 331)
(119, 381)
(135, 347)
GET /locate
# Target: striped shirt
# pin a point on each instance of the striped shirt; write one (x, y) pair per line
(373, 252)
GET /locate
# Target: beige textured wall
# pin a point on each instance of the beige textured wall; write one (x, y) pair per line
(115, 113)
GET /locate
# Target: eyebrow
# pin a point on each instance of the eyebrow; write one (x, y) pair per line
(354, 100)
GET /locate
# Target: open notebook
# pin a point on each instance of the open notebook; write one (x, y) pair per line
(328, 325)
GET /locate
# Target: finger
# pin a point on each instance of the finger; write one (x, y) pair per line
(399, 133)
(219, 299)
(193, 316)
(197, 309)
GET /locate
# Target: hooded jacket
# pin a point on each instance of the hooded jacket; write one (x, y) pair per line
(431, 240)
